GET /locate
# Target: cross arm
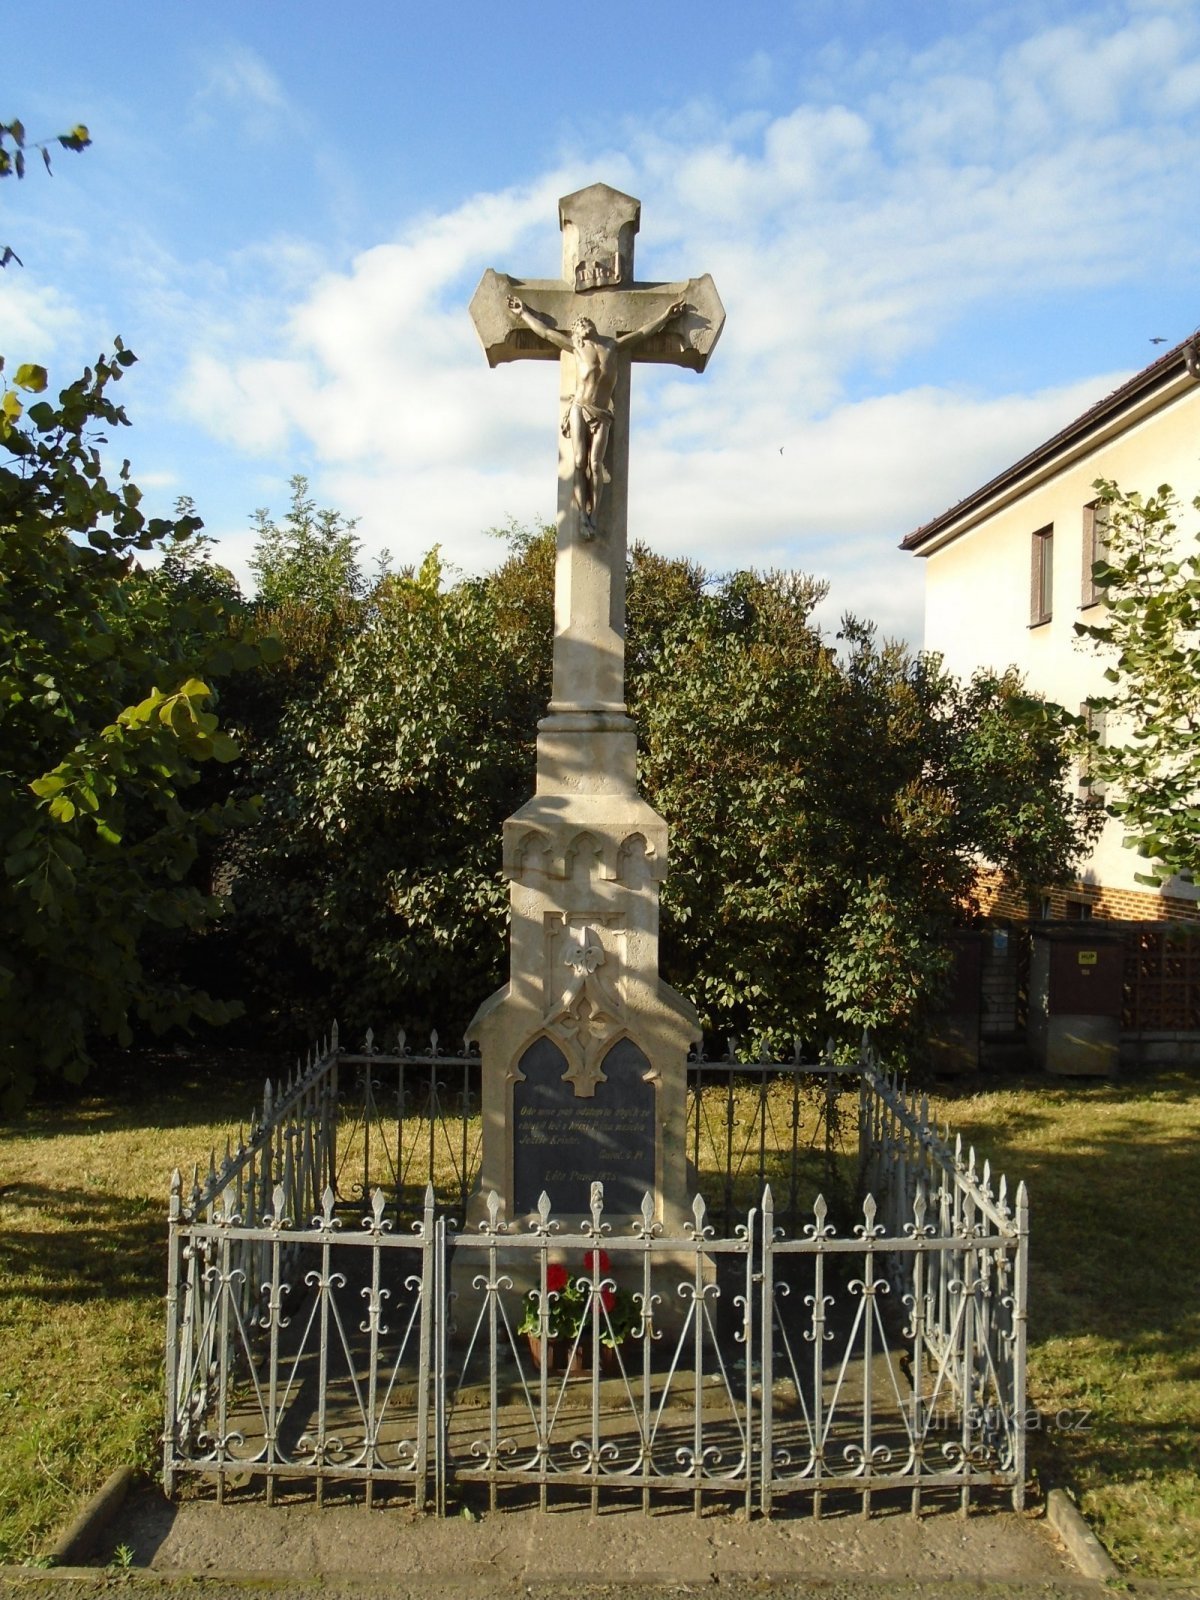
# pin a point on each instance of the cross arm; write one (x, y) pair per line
(636, 316)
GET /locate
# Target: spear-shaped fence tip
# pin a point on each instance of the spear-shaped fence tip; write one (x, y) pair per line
(433, 1041)
(333, 1035)
(401, 1042)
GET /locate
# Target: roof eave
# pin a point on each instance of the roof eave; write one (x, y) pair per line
(1154, 387)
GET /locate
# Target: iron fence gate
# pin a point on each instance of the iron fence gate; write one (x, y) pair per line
(764, 1365)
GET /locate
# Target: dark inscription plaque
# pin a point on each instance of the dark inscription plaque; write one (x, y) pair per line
(564, 1143)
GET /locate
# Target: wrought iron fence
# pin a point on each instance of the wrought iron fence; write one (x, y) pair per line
(326, 1340)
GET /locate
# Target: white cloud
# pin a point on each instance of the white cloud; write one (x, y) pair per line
(34, 320)
(239, 82)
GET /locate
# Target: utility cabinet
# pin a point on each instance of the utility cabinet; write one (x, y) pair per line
(1076, 982)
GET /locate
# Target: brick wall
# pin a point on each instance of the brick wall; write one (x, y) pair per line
(997, 898)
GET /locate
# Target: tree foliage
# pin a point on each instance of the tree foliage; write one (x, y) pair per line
(828, 806)
(370, 888)
(1149, 636)
(107, 677)
(309, 559)
(13, 145)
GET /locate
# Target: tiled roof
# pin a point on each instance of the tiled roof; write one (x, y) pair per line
(1166, 366)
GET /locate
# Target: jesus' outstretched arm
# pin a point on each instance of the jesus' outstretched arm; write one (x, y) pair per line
(656, 325)
(535, 321)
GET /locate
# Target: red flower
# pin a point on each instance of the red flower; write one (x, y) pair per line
(556, 1277)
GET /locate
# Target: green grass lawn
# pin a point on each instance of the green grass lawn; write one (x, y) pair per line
(1113, 1172)
(1114, 1333)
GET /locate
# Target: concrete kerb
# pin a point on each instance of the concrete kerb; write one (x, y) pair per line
(1072, 1527)
(80, 1538)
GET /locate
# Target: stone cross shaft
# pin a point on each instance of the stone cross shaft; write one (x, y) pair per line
(595, 320)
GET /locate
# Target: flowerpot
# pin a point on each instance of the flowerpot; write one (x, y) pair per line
(611, 1357)
(559, 1357)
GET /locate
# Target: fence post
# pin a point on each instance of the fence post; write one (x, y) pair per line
(767, 1340)
(1020, 1313)
(441, 1315)
(428, 1319)
(172, 1353)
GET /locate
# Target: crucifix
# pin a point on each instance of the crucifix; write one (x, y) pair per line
(584, 1049)
(595, 320)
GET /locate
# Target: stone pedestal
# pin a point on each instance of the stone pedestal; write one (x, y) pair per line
(585, 1048)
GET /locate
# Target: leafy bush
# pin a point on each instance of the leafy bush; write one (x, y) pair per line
(107, 677)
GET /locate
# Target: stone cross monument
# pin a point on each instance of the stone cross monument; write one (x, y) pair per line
(584, 1050)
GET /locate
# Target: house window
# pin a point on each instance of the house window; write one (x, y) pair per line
(1041, 586)
(1095, 547)
(1078, 909)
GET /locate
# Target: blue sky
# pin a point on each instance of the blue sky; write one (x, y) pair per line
(940, 230)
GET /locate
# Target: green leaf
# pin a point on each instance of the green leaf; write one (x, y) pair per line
(224, 747)
(30, 377)
(51, 784)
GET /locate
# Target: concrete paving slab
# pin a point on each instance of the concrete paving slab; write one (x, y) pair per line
(568, 1546)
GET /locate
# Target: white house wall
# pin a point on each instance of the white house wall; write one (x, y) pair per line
(977, 589)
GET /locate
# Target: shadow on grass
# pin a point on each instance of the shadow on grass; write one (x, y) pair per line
(160, 1091)
(76, 1244)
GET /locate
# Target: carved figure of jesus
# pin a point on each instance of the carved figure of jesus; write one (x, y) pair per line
(589, 416)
